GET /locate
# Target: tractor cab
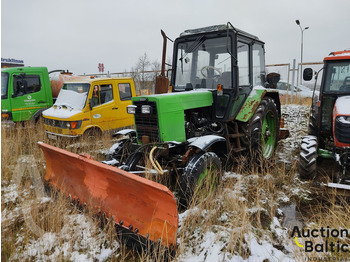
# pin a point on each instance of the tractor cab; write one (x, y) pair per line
(329, 122)
(335, 83)
(221, 59)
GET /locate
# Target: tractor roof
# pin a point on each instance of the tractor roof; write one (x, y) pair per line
(338, 55)
(216, 28)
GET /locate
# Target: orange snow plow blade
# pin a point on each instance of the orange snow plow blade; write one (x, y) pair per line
(139, 206)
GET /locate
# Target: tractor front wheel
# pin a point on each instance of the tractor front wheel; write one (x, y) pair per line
(200, 177)
(308, 157)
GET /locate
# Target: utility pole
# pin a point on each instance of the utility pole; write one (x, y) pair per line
(301, 55)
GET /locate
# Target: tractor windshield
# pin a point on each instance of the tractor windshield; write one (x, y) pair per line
(203, 64)
(337, 77)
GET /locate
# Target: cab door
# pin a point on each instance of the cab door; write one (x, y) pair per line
(124, 91)
(104, 105)
(27, 96)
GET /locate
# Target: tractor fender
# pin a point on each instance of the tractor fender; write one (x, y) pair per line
(125, 132)
(204, 142)
(253, 100)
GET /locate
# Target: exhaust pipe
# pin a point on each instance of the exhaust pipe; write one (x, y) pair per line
(162, 82)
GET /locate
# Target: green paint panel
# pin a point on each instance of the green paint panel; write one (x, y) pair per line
(251, 104)
(171, 107)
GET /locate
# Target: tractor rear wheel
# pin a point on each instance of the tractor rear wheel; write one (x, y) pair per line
(312, 128)
(263, 130)
(308, 157)
(200, 177)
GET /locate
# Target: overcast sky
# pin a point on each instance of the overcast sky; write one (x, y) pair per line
(79, 34)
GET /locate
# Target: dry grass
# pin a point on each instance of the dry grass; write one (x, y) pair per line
(245, 203)
(28, 216)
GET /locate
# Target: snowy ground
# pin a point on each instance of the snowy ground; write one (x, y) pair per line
(211, 245)
(80, 239)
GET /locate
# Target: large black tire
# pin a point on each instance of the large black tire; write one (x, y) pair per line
(312, 128)
(201, 174)
(263, 130)
(308, 157)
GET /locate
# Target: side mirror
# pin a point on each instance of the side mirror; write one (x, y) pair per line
(272, 79)
(307, 74)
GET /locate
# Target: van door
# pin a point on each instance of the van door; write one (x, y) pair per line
(27, 96)
(124, 93)
(104, 106)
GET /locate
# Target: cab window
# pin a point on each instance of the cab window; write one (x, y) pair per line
(258, 65)
(26, 84)
(124, 91)
(243, 64)
(102, 94)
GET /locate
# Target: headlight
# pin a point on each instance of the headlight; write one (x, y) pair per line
(145, 109)
(131, 109)
(73, 124)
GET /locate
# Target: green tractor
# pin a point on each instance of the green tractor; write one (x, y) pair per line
(220, 103)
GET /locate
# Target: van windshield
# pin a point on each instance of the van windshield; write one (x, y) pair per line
(73, 95)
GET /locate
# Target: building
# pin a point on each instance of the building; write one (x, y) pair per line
(10, 62)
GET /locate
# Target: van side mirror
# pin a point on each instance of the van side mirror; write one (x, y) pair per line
(307, 74)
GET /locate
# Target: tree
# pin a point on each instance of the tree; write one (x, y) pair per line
(142, 66)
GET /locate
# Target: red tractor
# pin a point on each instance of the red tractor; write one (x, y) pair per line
(329, 123)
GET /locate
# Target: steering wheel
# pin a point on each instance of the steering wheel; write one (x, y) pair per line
(205, 73)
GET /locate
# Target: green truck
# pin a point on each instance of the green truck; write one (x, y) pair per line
(27, 91)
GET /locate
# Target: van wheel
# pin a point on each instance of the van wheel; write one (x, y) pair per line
(92, 133)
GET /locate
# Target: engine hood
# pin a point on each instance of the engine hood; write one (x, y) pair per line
(170, 102)
(341, 122)
(168, 120)
(60, 112)
(342, 106)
